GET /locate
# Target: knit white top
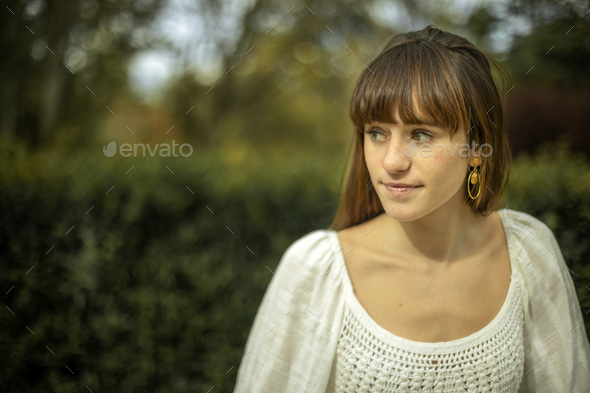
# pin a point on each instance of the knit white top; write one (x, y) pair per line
(372, 359)
(309, 314)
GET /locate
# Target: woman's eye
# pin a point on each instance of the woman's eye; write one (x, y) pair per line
(422, 134)
(379, 136)
(374, 134)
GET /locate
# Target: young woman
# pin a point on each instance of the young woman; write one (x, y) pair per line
(420, 285)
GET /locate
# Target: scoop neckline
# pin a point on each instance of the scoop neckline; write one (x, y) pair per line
(442, 346)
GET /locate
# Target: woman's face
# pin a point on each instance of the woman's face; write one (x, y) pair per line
(422, 156)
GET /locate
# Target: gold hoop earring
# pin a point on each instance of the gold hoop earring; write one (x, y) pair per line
(474, 179)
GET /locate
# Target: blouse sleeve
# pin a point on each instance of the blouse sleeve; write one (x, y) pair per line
(285, 349)
(557, 351)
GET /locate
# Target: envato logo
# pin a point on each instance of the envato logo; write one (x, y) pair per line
(164, 149)
(412, 148)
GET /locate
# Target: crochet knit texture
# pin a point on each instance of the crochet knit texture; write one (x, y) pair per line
(371, 359)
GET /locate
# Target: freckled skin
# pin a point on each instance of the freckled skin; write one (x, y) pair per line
(442, 176)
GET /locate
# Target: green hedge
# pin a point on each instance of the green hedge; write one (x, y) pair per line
(150, 291)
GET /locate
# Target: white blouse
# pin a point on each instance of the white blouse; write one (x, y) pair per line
(309, 315)
(371, 359)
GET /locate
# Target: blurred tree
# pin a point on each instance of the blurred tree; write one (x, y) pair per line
(286, 82)
(558, 46)
(481, 22)
(65, 62)
(286, 71)
(551, 66)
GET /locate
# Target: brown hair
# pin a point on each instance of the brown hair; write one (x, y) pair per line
(452, 81)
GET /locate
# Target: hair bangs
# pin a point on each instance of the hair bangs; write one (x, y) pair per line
(420, 89)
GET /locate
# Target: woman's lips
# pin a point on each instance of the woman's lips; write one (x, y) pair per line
(401, 191)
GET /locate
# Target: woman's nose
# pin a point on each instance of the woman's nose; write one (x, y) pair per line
(399, 155)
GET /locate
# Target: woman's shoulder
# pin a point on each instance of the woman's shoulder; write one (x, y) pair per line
(557, 350)
(312, 242)
(534, 245)
(313, 251)
(531, 233)
(525, 225)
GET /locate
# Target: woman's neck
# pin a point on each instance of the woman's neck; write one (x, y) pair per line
(439, 238)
